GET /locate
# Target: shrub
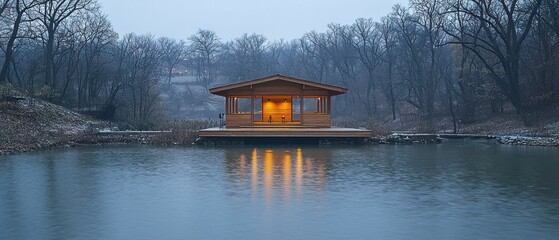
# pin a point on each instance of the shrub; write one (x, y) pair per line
(183, 132)
(6, 91)
(46, 93)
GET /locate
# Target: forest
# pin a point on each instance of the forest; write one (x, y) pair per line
(459, 60)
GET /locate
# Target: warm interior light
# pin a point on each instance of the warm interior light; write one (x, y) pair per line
(285, 100)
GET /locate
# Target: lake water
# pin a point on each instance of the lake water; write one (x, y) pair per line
(454, 190)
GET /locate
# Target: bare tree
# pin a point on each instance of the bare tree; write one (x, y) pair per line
(367, 42)
(137, 79)
(276, 56)
(389, 40)
(173, 52)
(541, 54)
(26, 64)
(430, 19)
(4, 4)
(314, 58)
(119, 79)
(51, 15)
(20, 8)
(550, 14)
(205, 53)
(496, 36)
(246, 57)
(92, 37)
(412, 58)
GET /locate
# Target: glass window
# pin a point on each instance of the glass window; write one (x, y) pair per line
(322, 104)
(244, 105)
(257, 108)
(296, 109)
(239, 105)
(316, 105)
(310, 105)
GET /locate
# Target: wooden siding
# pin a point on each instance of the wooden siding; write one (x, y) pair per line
(276, 107)
(276, 88)
(318, 120)
(289, 82)
(237, 120)
(244, 91)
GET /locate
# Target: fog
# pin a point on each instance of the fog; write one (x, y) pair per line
(430, 62)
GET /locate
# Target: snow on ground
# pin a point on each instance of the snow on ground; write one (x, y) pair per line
(33, 122)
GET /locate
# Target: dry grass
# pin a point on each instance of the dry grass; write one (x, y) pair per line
(183, 132)
(544, 123)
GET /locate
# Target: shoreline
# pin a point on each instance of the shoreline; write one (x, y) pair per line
(31, 124)
(167, 139)
(422, 138)
(71, 141)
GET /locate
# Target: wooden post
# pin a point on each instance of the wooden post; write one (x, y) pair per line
(329, 110)
(236, 104)
(302, 105)
(251, 106)
(227, 99)
(329, 106)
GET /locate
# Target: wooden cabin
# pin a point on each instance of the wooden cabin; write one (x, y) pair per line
(278, 101)
(279, 109)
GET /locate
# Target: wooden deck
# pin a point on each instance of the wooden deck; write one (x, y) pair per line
(285, 132)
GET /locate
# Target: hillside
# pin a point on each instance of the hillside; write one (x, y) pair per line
(29, 124)
(545, 123)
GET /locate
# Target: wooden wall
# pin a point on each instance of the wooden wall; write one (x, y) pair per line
(238, 120)
(277, 88)
(277, 101)
(276, 107)
(311, 120)
(316, 120)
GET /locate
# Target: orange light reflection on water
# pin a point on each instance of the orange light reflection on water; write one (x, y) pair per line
(277, 173)
(268, 175)
(242, 165)
(254, 171)
(299, 172)
(287, 175)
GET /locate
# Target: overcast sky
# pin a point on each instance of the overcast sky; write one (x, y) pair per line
(275, 19)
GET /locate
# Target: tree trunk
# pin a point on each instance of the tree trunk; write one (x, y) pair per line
(49, 54)
(392, 97)
(10, 46)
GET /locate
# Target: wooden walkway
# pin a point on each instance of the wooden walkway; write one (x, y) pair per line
(286, 132)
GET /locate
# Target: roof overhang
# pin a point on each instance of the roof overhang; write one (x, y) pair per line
(226, 89)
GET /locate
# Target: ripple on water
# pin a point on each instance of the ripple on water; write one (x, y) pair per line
(456, 190)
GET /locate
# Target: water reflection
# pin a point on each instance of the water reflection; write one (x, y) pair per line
(466, 190)
(282, 171)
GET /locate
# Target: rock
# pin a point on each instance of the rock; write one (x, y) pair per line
(399, 138)
(529, 141)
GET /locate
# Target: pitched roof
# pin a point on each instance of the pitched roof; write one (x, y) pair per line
(334, 89)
